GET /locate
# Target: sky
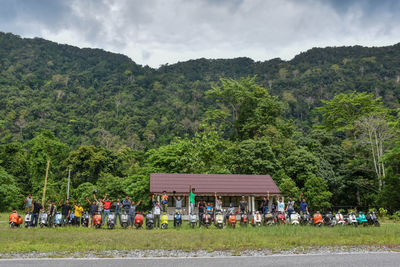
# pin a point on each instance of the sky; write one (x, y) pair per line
(157, 32)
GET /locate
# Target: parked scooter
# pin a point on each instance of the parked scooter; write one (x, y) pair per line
(164, 221)
(14, 220)
(329, 219)
(43, 219)
(295, 218)
(317, 219)
(110, 221)
(373, 219)
(85, 220)
(352, 219)
(149, 220)
(269, 219)
(244, 219)
(193, 220)
(71, 220)
(281, 218)
(219, 220)
(256, 221)
(138, 220)
(305, 219)
(361, 219)
(232, 220)
(97, 220)
(340, 219)
(27, 219)
(178, 218)
(124, 220)
(206, 220)
(57, 219)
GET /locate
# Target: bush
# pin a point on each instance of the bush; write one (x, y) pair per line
(383, 212)
(10, 195)
(396, 215)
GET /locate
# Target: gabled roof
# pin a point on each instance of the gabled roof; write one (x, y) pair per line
(223, 184)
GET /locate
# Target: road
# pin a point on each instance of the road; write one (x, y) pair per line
(334, 260)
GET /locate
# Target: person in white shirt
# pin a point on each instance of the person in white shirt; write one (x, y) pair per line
(156, 212)
(280, 205)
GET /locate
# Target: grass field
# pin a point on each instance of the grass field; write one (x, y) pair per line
(71, 239)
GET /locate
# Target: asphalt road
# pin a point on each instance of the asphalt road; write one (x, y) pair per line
(334, 260)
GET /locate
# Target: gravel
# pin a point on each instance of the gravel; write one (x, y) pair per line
(197, 253)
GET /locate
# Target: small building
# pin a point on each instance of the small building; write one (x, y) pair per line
(230, 186)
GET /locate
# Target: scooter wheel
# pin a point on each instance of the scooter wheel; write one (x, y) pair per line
(164, 226)
(377, 224)
(41, 225)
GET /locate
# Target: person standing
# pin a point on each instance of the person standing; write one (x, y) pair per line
(107, 206)
(201, 208)
(118, 208)
(164, 201)
(303, 205)
(290, 207)
(28, 204)
(218, 203)
(244, 207)
(126, 203)
(51, 213)
(178, 203)
(192, 199)
(92, 211)
(132, 213)
(156, 212)
(37, 207)
(65, 211)
(78, 213)
(100, 205)
(280, 205)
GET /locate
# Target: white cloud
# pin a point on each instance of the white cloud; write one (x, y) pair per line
(158, 32)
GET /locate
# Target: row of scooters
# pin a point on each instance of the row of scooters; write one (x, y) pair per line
(330, 219)
(205, 219)
(295, 218)
(15, 220)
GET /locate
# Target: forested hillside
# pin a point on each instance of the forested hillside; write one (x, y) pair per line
(324, 123)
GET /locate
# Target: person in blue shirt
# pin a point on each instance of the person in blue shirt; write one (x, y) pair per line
(303, 204)
(209, 208)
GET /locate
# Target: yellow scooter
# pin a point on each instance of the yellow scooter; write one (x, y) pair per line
(164, 221)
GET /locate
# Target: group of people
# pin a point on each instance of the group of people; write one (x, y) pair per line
(96, 206)
(105, 205)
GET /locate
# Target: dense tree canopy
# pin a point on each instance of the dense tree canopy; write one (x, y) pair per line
(324, 123)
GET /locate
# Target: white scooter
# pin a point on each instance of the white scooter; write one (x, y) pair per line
(257, 219)
(111, 221)
(193, 220)
(352, 219)
(219, 220)
(43, 219)
(295, 218)
(27, 219)
(124, 220)
(340, 219)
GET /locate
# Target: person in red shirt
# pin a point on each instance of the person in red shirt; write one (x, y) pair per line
(107, 205)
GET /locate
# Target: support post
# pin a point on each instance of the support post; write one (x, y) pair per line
(252, 203)
(249, 203)
(271, 199)
(69, 180)
(45, 182)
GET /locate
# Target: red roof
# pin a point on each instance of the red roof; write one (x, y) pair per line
(229, 184)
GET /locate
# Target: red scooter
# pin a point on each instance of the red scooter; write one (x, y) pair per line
(138, 220)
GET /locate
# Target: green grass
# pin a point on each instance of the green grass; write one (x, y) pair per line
(71, 239)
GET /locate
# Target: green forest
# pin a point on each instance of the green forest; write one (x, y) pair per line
(325, 123)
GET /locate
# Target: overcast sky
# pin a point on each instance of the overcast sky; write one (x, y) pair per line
(155, 32)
